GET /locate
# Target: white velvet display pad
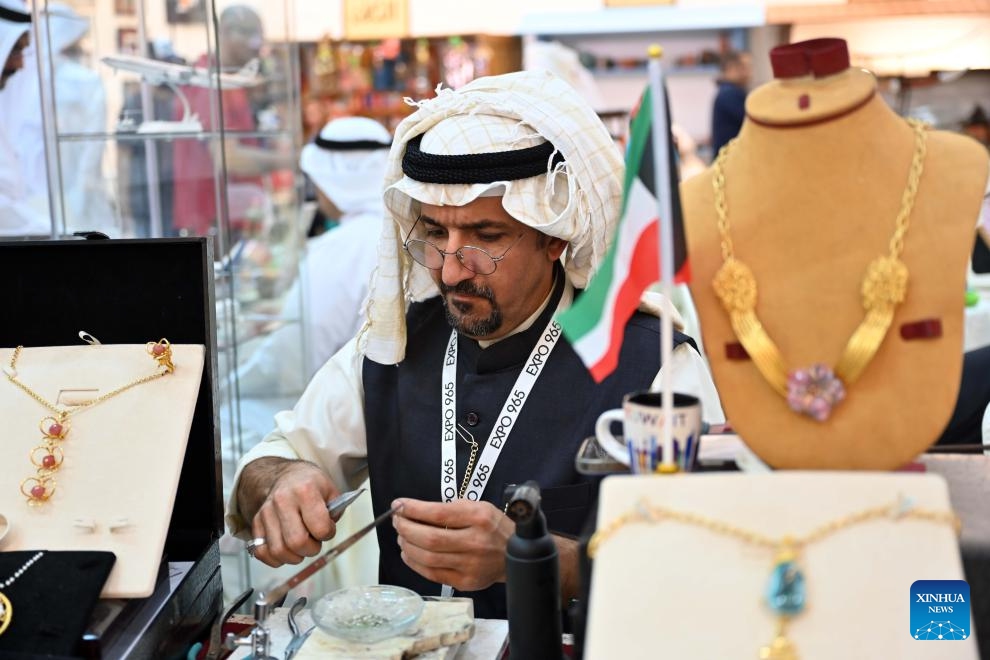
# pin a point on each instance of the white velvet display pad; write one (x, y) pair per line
(123, 456)
(676, 591)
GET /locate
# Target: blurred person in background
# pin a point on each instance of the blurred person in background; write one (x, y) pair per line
(977, 126)
(22, 213)
(239, 42)
(729, 109)
(346, 163)
(80, 107)
(132, 167)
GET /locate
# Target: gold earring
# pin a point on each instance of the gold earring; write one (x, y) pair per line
(161, 350)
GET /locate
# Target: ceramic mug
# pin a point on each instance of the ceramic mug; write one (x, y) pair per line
(640, 446)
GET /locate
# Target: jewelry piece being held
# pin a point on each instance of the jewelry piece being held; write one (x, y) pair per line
(6, 609)
(47, 457)
(785, 590)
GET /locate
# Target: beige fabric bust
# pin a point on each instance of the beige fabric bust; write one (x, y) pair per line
(809, 206)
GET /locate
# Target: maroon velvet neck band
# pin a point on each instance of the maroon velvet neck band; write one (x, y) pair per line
(816, 120)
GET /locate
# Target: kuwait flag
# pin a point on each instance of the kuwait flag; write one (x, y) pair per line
(595, 323)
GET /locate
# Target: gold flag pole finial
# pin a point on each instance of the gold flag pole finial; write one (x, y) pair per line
(655, 51)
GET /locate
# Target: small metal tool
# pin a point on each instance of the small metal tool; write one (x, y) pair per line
(337, 505)
(297, 637)
(215, 648)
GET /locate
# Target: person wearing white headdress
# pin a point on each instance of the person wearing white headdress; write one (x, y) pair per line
(502, 197)
(80, 107)
(346, 163)
(21, 212)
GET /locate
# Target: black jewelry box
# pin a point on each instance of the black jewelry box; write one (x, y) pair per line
(133, 291)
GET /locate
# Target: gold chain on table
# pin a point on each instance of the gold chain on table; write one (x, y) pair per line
(786, 593)
(816, 389)
(48, 456)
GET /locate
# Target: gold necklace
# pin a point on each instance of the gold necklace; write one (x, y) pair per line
(47, 457)
(786, 594)
(815, 390)
(6, 609)
(467, 437)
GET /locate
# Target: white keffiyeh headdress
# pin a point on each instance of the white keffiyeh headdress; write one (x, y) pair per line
(578, 200)
(15, 21)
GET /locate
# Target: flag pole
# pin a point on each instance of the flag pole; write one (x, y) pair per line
(662, 179)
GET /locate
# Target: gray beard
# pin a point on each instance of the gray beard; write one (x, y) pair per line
(477, 328)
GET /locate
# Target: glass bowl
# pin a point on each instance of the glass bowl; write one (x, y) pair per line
(368, 613)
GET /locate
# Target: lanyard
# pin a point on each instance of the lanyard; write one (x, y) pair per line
(506, 420)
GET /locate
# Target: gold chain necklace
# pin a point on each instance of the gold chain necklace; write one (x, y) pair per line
(785, 594)
(47, 457)
(815, 390)
(467, 437)
(6, 609)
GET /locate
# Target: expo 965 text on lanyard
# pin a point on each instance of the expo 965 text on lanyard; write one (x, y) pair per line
(476, 480)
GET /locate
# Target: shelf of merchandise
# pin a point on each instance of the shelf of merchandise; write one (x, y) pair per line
(373, 78)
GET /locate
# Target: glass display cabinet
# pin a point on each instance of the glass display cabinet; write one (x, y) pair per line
(165, 118)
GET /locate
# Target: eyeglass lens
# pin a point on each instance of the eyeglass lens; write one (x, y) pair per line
(474, 259)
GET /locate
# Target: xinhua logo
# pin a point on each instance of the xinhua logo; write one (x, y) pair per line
(940, 610)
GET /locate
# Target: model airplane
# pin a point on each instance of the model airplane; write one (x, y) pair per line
(157, 72)
(172, 75)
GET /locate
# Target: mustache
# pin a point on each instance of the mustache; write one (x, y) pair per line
(468, 289)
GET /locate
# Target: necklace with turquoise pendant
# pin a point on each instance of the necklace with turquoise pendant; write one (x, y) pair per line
(786, 597)
(786, 594)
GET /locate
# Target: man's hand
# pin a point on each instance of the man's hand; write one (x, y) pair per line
(286, 502)
(460, 543)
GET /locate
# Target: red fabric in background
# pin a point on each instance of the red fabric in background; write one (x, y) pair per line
(195, 207)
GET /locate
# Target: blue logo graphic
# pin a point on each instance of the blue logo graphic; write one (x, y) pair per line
(940, 610)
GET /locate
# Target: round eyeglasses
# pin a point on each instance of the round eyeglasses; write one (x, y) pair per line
(475, 259)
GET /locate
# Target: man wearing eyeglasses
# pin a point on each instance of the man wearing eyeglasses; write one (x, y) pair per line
(503, 196)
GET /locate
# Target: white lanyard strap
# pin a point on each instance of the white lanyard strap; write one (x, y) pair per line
(504, 422)
(448, 443)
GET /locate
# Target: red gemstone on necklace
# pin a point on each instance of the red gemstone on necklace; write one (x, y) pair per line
(55, 430)
(38, 492)
(48, 461)
(158, 349)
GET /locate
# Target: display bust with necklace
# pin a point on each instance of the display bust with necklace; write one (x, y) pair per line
(822, 360)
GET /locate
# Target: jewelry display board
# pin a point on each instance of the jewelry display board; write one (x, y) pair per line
(120, 460)
(854, 226)
(663, 589)
(125, 292)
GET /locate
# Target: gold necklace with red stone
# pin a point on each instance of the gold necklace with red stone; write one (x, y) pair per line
(48, 456)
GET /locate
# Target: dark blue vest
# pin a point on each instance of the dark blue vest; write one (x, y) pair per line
(402, 415)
